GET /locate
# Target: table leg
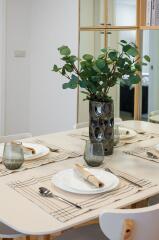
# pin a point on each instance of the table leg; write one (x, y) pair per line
(143, 203)
(45, 237)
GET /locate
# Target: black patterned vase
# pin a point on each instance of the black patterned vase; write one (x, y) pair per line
(101, 124)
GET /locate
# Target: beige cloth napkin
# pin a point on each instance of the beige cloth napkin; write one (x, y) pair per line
(26, 150)
(88, 176)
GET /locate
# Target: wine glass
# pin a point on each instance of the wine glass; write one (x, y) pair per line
(13, 156)
(94, 153)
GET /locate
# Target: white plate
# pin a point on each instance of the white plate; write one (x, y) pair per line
(68, 180)
(124, 136)
(39, 149)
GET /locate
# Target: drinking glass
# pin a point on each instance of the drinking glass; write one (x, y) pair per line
(94, 154)
(116, 135)
(13, 156)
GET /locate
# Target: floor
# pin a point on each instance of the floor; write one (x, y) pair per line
(92, 232)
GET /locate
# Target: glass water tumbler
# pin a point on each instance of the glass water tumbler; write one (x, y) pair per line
(116, 135)
(94, 154)
(13, 156)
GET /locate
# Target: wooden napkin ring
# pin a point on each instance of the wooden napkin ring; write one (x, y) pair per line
(89, 176)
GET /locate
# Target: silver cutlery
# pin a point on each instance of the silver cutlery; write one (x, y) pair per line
(153, 153)
(125, 178)
(47, 193)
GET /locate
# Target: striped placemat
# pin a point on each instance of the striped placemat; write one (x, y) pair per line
(63, 212)
(50, 158)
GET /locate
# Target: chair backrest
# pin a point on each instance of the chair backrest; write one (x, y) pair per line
(10, 138)
(131, 224)
(154, 117)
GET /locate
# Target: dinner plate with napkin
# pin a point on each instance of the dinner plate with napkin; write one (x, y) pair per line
(82, 180)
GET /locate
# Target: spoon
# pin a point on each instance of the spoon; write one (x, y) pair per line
(47, 193)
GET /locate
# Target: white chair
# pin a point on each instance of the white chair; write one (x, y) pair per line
(154, 117)
(5, 231)
(131, 224)
(18, 136)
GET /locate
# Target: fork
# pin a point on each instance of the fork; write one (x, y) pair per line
(47, 193)
(125, 178)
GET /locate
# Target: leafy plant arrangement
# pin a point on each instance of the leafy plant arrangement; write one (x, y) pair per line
(98, 75)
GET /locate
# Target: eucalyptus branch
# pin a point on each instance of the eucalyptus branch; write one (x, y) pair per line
(76, 70)
(98, 75)
(66, 75)
(137, 59)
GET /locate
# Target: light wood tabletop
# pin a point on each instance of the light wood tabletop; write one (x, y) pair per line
(24, 216)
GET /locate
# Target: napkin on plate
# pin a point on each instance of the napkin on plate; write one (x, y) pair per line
(88, 176)
(26, 149)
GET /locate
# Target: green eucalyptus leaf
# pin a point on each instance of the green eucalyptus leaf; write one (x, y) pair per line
(100, 63)
(83, 84)
(65, 58)
(123, 41)
(68, 67)
(72, 84)
(147, 58)
(87, 57)
(138, 67)
(73, 59)
(132, 51)
(64, 50)
(101, 56)
(83, 64)
(55, 68)
(95, 78)
(65, 86)
(96, 69)
(74, 78)
(63, 70)
(113, 55)
(126, 47)
(104, 50)
(134, 79)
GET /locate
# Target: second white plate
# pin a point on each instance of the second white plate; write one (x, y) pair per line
(126, 133)
(40, 151)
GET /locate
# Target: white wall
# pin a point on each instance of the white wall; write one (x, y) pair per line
(35, 100)
(17, 69)
(54, 23)
(2, 63)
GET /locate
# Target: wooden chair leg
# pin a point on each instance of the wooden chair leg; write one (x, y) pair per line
(27, 237)
(128, 226)
(45, 237)
(7, 238)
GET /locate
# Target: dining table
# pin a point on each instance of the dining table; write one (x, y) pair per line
(23, 210)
